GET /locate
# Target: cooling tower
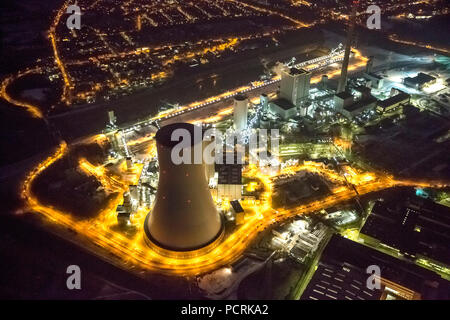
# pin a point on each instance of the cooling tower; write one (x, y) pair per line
(240, 112)
(184, 216)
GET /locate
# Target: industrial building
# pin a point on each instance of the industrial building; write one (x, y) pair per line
(342, 275)
(311, 150)
(117, 141)
(264, 101)
(374, 81)
(295, 85)
(398, 99)
(417, 227)
(299, 239)
(283, 108)
(184, 216)
(238, 211)
(363, 101)
(229, 182)
(294, 90)
(360, 106)
(342, 100)
(323, 85)
(125, 209)
(419, 81)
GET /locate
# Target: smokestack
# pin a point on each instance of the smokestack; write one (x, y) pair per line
(184, 216)
(344, 71)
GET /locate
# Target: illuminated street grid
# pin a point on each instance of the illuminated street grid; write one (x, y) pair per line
(98, 62)
(118, 60)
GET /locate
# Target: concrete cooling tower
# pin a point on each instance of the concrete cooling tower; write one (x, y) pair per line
(240, 112)
(184, 216)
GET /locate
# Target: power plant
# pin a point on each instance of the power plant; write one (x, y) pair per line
(184, 217)
(294, 91)
(295, 85)
(225, 150)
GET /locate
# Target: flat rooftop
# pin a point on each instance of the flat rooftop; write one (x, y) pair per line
(341, 274)
(344, 95)
(412, 225)
(361, 104)
(373, 75)
(229, 173)
(401, 96)
(283, 103)
(236, 206)
(296, 71)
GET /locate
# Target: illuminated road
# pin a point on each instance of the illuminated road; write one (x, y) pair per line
(419, 44)
(32, 109)
(67, 86)
(273, 12)
(132, 252)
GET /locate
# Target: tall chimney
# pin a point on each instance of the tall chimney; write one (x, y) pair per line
(344, 71)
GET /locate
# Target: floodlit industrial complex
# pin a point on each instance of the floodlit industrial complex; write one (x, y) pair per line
(249, 150)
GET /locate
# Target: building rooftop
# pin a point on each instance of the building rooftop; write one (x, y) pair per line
(342, 275)
(361, 103)
(295, 71)
(344, 95)
(401, 96)
(419, 80)
(236, 206)
(373, 75)
(413, 225)
(365, 91)
(229, 173)
(283, 104)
